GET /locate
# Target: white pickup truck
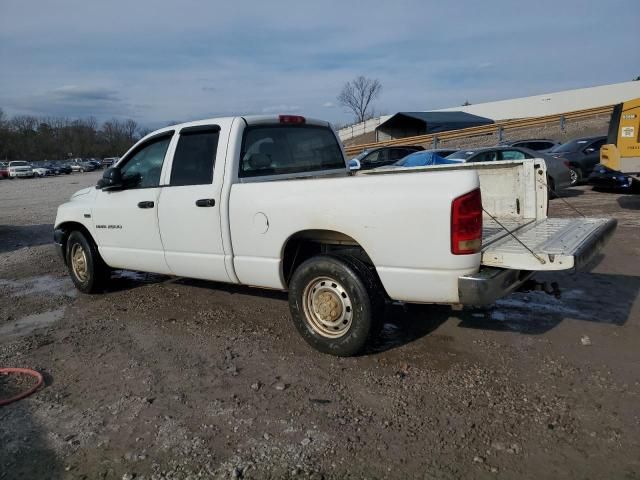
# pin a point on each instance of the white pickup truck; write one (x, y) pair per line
(269, 201)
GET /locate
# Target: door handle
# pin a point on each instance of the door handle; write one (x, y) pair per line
(206, 202)
(145, 205)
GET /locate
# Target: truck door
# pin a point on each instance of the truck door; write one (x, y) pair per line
(189, 205)
(126, 220)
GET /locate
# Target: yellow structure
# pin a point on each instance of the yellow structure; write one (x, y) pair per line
(622, 152)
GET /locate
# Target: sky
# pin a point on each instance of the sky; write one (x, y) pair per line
(163, 62)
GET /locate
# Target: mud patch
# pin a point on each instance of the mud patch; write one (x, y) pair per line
(29, 324)
(45, 284)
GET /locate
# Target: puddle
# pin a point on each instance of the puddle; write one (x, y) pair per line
(46, 284)
(136, 276)
(26, 325)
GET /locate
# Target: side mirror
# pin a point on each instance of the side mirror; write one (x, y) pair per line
(353, 165)
(111, 180)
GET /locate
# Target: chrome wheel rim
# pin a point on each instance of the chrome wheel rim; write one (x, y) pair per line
(327, 307)
(573, 175)
(79, 262)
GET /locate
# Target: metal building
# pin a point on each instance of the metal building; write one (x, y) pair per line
(409, 124)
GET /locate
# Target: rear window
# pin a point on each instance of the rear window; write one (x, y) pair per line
(571, 146)
(287, 149)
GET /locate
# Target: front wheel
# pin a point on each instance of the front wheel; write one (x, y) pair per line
(87, 270)
(336, 303)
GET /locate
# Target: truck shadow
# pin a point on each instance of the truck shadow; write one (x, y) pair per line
(15, 237)
(25, 451)
(404, 324)
(594, 297)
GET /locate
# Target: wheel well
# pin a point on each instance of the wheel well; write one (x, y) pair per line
(305, 244)
(67, 228)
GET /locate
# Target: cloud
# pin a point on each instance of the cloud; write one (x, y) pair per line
(76, 101)
(150, 67)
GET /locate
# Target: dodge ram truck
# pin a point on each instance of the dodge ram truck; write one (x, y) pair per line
(271, 202)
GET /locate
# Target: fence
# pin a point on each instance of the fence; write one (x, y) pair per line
(347, 133)
(499, 127)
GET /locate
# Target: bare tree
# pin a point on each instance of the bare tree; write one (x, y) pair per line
(357, 96)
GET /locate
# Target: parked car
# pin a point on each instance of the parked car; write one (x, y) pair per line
(108, 161)
(64, 168)
(279, 209)
(582, 154)
(4, 170)
(558, 173)
(604, 178)
(82, 166)
(96, 163)
(382, 156)
(42, 171)
(536, 144)
(20, 169)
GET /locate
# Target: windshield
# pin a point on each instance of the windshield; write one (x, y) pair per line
(461, 154)
(571, 146)
(278, 150)
(19, 164)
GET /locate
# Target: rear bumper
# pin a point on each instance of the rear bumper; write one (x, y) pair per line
(490, 284)
(589, 249)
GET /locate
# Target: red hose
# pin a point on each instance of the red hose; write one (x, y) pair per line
(24, 371)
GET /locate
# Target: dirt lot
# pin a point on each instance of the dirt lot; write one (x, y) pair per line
(170, 378)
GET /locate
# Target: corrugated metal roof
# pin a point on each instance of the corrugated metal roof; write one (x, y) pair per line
(437, 117)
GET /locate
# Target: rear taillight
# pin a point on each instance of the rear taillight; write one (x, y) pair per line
(291, 119)
(466, 223)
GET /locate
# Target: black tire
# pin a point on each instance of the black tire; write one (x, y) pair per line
(576, 175)
(96, 272)
(359, 314)
(551, 185)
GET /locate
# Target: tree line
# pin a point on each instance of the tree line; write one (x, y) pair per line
(27, 137)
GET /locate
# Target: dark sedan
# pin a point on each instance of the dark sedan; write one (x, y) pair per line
(581, 154)
(557, 170)
(604, 178)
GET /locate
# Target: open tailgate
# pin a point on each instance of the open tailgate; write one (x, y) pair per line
(549, 244)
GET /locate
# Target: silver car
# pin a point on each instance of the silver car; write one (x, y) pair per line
(557, 170)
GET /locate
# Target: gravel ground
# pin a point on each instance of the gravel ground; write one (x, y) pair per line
(171, 378)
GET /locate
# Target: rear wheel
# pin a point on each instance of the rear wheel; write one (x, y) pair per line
(575, 175)
(336, 303)
(87, 270)
(551, 185)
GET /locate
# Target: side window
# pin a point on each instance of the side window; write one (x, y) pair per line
(195, 156)
(372, 158)
(543, 145)
(143, 168)
(512, 155)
